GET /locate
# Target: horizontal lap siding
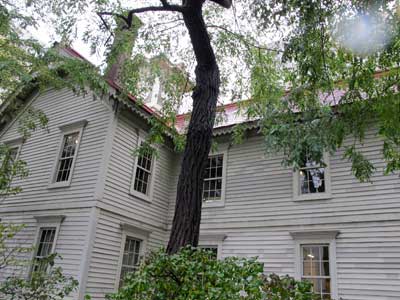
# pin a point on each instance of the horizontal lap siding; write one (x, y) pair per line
(367, 255)
(70, 244)
(106, 253)
(117, 195)
(40, 151)
(368, 261)
(258, 188)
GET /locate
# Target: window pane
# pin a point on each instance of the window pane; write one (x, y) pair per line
(70, 143)
(131, 257)
(315, 268)
(44, 248)
(212, 186)
(143, 172)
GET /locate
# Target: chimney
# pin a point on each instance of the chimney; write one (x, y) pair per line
(121, 49)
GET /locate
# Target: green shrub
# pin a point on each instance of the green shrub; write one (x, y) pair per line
(194, 274)
(45, 284)
(287, 288)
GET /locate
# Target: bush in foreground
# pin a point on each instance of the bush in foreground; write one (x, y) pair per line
(194, 274)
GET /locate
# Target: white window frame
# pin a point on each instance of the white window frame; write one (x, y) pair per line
(211, 241)
(219, 203)
(327, 237)
(45, 222)
(15, 143)
(76, 127)
(129, 230)
(297, 196)
(149, 196)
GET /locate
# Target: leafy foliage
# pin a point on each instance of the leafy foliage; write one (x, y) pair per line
(308, 84)
(49, 284)
(195, 274)
(11, 256)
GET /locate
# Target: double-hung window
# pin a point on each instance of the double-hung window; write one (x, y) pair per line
(67, 154)
(312, 180)
(131, 257)
(315, 261)
(45, 247)
(315, 269)
(46, 238)
(214, 180)
(133, 248)
(143, 174)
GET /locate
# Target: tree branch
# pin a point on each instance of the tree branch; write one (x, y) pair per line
(243, 38)
(223, 3)
(128, 20)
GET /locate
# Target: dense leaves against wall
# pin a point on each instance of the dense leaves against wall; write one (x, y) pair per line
(195, 274)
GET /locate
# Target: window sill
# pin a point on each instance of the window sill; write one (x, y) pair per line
(310, 197)
(56, 185)
(141, 196)
(215, 203)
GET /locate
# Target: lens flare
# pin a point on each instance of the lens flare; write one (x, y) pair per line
(364, 34)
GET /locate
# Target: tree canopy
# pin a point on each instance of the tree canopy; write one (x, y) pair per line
(315, 74)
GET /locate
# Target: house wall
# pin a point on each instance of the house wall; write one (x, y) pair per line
(77, 201)
(41, 150)
(71, 243)
(118, 206)
(259, 214)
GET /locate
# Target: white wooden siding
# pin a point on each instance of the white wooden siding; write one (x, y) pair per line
(103, 267)
(119, 174)
(40, 151)
(259, 189)
(367, 255)
(70, 244)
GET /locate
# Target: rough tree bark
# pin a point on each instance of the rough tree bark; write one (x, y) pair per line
(186, 223)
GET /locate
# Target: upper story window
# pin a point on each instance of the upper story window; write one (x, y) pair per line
(143, 174)
(214, 180)
(315, 269)
(14, 152)
(312, 180)
(14, 148)
(67, 154)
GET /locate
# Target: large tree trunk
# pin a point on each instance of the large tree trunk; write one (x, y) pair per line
(186, 223)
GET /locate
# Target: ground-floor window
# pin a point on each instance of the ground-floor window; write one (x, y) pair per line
(44, 247)
(315, 268)
(212, 249)
(130, 258)
(315, 260)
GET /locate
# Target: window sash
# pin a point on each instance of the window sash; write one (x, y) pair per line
(67, 156)
(44, 248)
(320, 279)
(143, 173)
(214, 180)
(131, 257)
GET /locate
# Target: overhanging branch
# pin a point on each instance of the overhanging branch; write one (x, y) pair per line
(128, 19)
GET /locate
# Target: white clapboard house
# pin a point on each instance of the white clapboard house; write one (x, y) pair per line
(88, 199)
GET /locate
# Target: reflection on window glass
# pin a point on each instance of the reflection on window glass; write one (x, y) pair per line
(67, 156)
(315, 268)
(143, 172)
(312, 178)
(212, 185)
(131, 257)
(44, 248)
